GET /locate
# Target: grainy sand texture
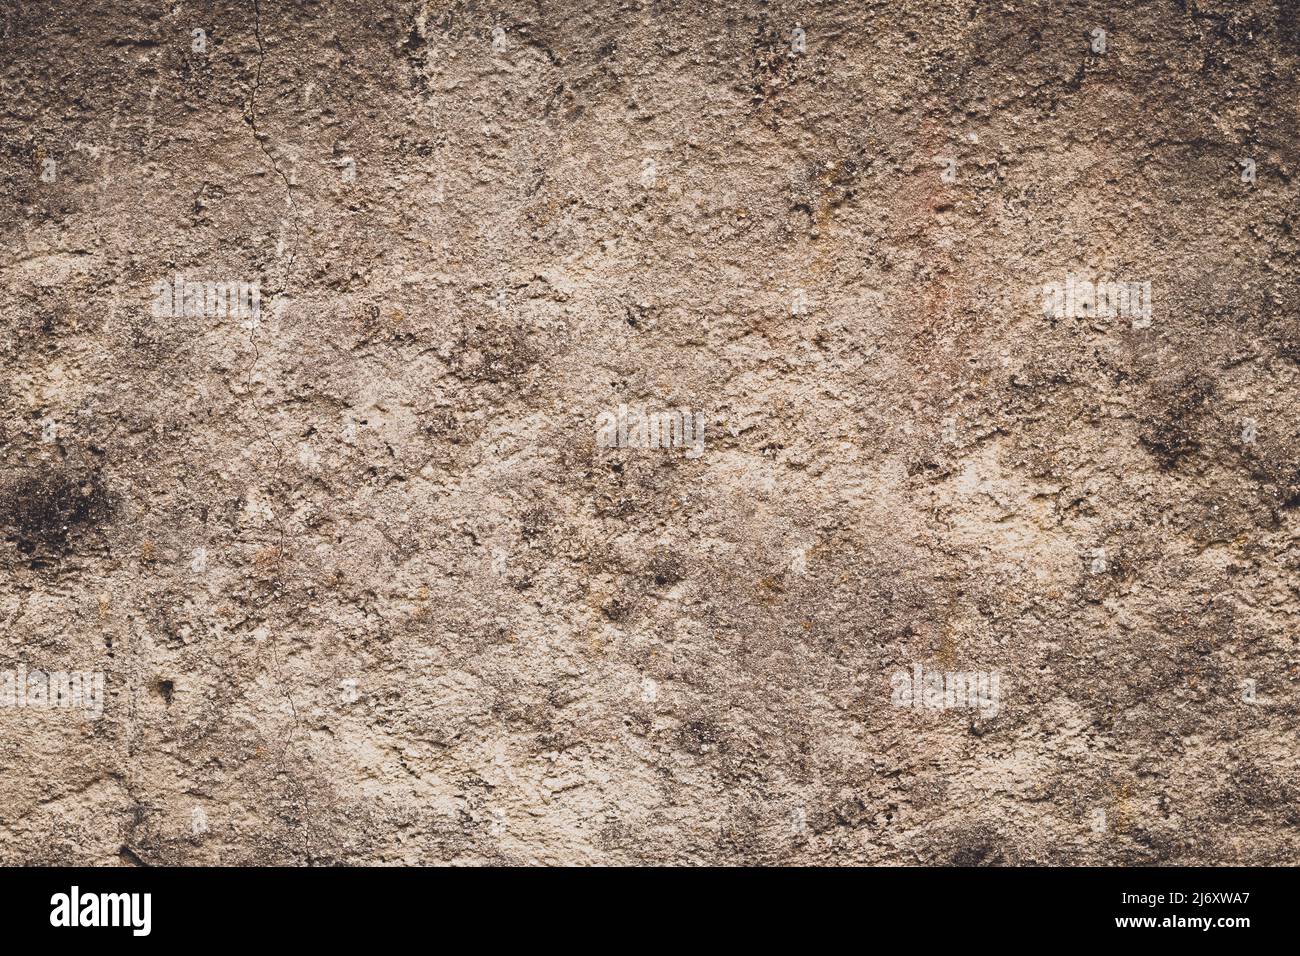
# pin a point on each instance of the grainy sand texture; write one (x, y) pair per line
(649, 432)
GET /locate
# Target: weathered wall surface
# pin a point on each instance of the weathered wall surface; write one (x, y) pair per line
(365, 587)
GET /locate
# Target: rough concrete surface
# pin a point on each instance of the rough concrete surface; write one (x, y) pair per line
(366, 583)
